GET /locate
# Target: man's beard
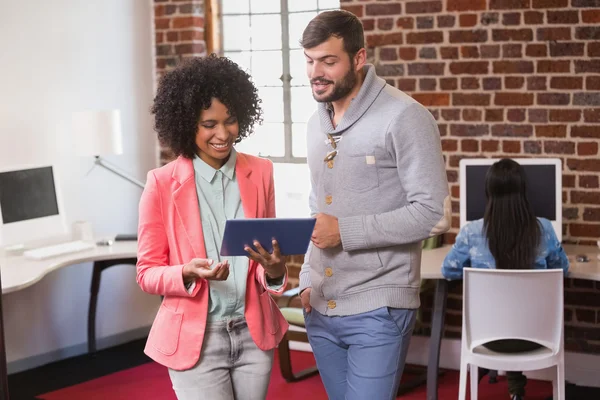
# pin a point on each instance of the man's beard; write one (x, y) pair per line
(340, 89)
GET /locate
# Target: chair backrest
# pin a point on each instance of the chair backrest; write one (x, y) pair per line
(513, 304)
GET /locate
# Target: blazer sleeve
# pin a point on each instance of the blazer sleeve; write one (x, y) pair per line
(261, 276)
(154, 274)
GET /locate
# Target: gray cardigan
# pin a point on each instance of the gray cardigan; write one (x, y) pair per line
(387, 186)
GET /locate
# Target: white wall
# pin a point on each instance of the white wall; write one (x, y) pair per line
(57, 57)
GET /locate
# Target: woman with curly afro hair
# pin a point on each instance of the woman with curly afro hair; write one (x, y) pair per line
(217, 327)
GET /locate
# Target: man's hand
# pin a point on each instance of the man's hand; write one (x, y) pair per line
(305, 299)
(274, 264)
(200, 268)
(327, 232)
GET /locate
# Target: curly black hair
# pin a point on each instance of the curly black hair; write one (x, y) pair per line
(189, 88)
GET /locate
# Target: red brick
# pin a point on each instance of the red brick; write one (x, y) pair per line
(490, 145)
(590, 66)
(592, 83)
(511, 19)
(553, 131)
(591, 214)
(585, 165)
(449, 84)
(586, 131)
(565, 115)
(449, 53)
(159, 37)
(587, 148)
(512, 35)
(162, 23)
(426, 69)
(556, 147)
(563, 17)
(423, 7)
(534, 18)
(584, 197)
(407, 53)
(405, 22)
(515, 115)
(451, 114)
(553, 99)
(537, 115)
(469, 67)
(532, 147)
(424, 37)
(589, 181)
(466, 5)
(190, 48)
(566, 49)
(512, 50)
(511, 146)
(449, 145)
(494, 115)
(469, 51)
(407, 85)
(512, 130)
(383, 9)
(549, 3)
(513, 67)
(591, 115)
(473, 99)
(513, 99)
(565, 82)
(368, 24)
(375, 40)
(508, 4)
(513, 82)
(191, 35)
(385, 24)
(471, 115)
(188, 22)
(469, 130)
(590, 16)
(593, 49)
(490, 51)
(545, 34)
(469, 145)
(446, 21)
(587, 33)
(432, 99)
(585, 230)
(536, 82)
(467, 20)
(550, 66)
(469, 36)
(568, 181)
(172, 36)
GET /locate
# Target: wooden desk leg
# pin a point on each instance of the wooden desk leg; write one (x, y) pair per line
(437, 332)
(3, 368)
(99, 266)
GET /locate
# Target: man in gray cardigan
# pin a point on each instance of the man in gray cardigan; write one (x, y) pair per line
(378, 189)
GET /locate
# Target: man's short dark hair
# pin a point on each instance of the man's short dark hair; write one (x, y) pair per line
(337, 23)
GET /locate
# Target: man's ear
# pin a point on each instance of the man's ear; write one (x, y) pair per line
(360, 59)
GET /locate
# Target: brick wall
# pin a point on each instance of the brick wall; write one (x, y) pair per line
(179, 33)
(518, 78)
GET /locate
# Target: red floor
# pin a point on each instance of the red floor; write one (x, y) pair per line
(151, 381)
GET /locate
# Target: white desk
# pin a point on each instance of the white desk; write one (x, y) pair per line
(18, 272)
(431, 262)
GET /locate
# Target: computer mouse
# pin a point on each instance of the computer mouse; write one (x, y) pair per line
(582, 258)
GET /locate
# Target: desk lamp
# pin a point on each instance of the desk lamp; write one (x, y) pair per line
(96, 133)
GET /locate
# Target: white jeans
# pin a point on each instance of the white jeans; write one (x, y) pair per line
(231, 366)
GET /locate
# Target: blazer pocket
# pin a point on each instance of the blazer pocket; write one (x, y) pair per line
(164, 335)
(268, 308)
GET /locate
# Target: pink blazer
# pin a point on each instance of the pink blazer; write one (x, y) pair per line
(170, 235)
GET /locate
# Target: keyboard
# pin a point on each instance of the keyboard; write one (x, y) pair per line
(42, 253)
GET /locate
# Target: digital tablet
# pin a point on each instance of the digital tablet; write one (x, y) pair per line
(292, 234)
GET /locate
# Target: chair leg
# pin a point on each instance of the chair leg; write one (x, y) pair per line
(558, 385)
(462, 387)
(474, 378)
(285, 362)
(493, 376)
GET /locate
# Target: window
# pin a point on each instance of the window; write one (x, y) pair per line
(263, 36)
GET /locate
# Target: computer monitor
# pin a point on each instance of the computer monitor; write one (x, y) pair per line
(30, 205)
(544, 188)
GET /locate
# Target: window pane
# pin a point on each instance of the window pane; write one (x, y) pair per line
(298, 68)
(235, 6)
(267, 68)
(266, 32)
(299, 140)
(297, 24)
(303, 104)
(236, 32)
(267, 141)
(325, 4)
(241, 58)
(265, 6)
(302, 5)
(272, 103)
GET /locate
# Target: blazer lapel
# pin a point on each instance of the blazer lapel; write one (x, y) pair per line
(248, 190)
(186, 203)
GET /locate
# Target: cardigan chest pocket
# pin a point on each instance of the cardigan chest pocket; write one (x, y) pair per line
(359, 173)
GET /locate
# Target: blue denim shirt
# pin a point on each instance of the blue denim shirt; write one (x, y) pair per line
(471, 251)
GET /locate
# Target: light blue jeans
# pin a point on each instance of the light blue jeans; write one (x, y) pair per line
(231, 366)
(361, 356)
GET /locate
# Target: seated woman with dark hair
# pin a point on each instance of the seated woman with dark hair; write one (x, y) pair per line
(508, 237)
(217, 326)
